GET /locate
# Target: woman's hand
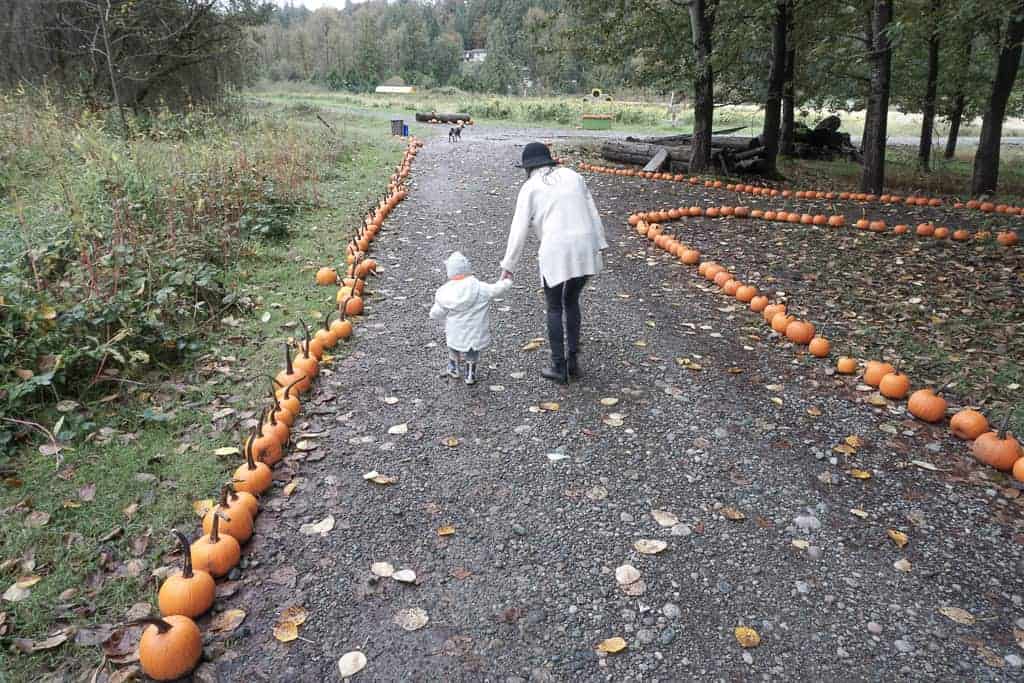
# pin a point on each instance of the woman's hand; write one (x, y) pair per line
(506, 275)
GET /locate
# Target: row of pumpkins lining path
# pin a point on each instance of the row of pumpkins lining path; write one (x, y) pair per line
(997, 448)
(984, 206)
(172, 645)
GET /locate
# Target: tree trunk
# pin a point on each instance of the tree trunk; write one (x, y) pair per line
(702, 19)
(924, 148)
(955, 117)
(776, 76)
(873, 175)
(104, 27)
(986, 159)
(788, 94)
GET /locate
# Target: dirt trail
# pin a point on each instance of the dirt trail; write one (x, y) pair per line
(525, 587)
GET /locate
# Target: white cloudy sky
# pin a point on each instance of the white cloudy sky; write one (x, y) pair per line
(314, 4)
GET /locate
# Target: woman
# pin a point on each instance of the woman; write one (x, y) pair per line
(556, 203)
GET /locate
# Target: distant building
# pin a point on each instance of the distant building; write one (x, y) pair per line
(395, 89)
(474, 55)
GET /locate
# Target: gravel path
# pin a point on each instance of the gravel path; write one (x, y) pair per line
(546, 505)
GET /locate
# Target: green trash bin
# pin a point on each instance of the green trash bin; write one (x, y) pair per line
(597, 122)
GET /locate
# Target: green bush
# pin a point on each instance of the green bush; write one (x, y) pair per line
(113, 254)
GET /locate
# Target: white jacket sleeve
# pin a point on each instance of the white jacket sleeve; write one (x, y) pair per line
(519, 231)
(436, 312)
(495, 289)
(602, 243)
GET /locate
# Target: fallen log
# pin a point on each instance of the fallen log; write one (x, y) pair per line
(731, 143)
(426, 117)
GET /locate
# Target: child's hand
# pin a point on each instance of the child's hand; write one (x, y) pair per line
(506, 275)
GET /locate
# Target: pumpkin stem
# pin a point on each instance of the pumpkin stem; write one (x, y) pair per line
(327, 319)
(224, 494)
(161, 625)
(186, 553)
(273, 417)
(215, 529)
(1004, 425)
(273, 397)
(305, 330)
(287, 389)
(250, 463)
(288, 360)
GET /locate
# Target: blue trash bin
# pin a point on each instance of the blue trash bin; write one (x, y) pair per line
(405, 130)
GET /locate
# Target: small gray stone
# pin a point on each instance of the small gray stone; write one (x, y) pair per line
(814, 552)
(681, 530)
(724, 586)
(1014, 661)
(671, 610)
(842, 653)
(904, 646)
(645, 636)
(747, 657)
(802, 587)
(874, 628)
(519, 530)
(667, 636)
(626, 517)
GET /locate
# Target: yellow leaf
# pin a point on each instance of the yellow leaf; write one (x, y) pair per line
(290, 487)
(640, 343)
(733, 514)
(857, 512)
(286, 631)
(201, 507)
(844, 449)
(451, 442)
(609, 401)
(47, 313)
(227, 450)
(898, 537)
(854, 441)
(776, 400)
(446, 531)
(612, 645)
(296, 614)
(71, 504)
(746, 636)
(28, 581)
(814, 411)
(532, 345)
(550, 406)
(860, 474)
(878, 400)
(800, 543)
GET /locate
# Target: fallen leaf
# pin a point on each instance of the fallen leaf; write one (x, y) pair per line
(382, 569)
(16, 593)
(898, 537)
(860, 474)
(627, 574)
(286, 631)
(663, 518)
(378, 478)
(611, 645)
(226, 450)
(37, 519)
(391, 400)
(550, 406)
(597, 493)
(733, 514)
(960, 616)
(555, 457)
(306, 445)
(227, 621)
(609, 401)
(411, 619)
(26, 646)
(613, 420)
(902, 565)
(746, 636)
(925, 465)
(201, 507)
(451, 442)
(801, 544)
(398, 429)
(857, 512)
(844, 449)
(405, 576)
(351, 663)
(28, 581)
(878, 400)
(296, 614)
(854, 441)
(990, 657)
(446, 531)
(321, 527)
(496, 388)
(648, 546)
(814, 411)
(290, 487)
(87, 493)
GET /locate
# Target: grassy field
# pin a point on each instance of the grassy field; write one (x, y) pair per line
(87, 527)
(632, 114)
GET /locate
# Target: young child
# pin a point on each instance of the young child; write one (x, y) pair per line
(464, 304)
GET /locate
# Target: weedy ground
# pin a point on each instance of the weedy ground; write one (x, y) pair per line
(137, 448)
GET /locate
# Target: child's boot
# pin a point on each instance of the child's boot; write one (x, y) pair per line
(452, 369)
(470, 373)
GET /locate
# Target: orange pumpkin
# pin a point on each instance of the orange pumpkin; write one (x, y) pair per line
(941, 232)
(758, 303)
(290, 375)
(925, 230)
(927, 405)
(819, 347)
(800, 332)
(846, 366)
(251, 476)
(730, 287)
(781, 321)
(875, 371)
(721, 277)
(901, 229)
(238, 525)
(836, 221)
(894, 385)
(170, 647)
(689, 256)
(746, 293)
(326, 276)
(190, 593)
(215, 552)
(968, 424)
(998, 449)
(1007, 238)
(771, 310)
(961, 235)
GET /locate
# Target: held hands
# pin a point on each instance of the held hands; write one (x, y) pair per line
(506, 275)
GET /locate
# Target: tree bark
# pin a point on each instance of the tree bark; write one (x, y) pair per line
(104, 17)
(955, 117)
(702, 19)
(776, 77)
(873, 174)
(788, 93)
(986, 159)
(924, 148)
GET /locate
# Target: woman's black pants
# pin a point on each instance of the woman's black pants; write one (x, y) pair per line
(564, 300)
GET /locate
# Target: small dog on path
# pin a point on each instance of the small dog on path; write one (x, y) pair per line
(455, 134)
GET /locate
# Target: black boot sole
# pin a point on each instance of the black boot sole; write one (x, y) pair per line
(556, 377)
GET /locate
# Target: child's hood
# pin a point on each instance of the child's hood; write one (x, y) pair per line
(459, 295)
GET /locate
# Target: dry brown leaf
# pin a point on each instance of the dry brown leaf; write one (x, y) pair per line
(898, 537)
(664, 518)
(612, 645)
(398, 429)
(857, 512)
(854, 441)
(860, 474)
(446, 531)
(801, 544)
(201, 507)
(227, 450)
(814, 411)
(296, 614)
(550, 406)
(627, 574)
(733, 514)
(451, 442)
(322, 527)
(382, 569)
(609, 401)
(290, 487)
(227, 621)
(960, 616)
(902, 565)
(649, 546)
(411, 619)
(286, 631)
(746, 636)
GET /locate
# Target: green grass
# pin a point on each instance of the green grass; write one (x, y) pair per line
(629, 114)
(67, 552)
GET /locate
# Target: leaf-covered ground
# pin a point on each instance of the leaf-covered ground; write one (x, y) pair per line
(705, 503)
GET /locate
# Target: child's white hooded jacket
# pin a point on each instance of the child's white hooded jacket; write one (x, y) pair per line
(464, 305)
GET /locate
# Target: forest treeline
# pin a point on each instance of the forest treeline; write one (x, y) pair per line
(946, 59)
